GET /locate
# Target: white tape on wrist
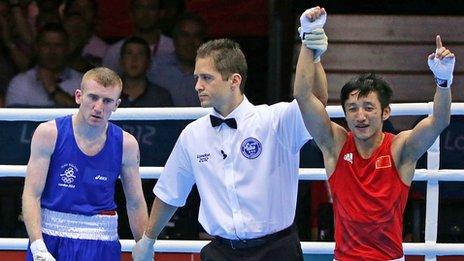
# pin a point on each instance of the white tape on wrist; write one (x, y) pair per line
(307, 26)
(442, 69)
(146, 241)
(38, 246)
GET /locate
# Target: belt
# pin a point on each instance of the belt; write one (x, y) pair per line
(255, 242)
(96, 227)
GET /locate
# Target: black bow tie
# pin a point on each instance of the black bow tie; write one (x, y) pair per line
(215, 121)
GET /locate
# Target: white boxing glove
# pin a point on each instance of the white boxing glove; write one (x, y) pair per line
(443, 70)
(144, 249)
(40, 252)
(317, 41)
(307, 25)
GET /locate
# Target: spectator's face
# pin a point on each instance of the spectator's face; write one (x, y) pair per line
(77, 31)
(212, 90)
(187, 40)
(145, 14)
(364, 115)
(134, 60)
(96, 102)
(52, 50)
(85, 8)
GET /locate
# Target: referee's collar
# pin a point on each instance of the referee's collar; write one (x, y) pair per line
(238, 113)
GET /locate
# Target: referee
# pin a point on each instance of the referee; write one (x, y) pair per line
(244, 160)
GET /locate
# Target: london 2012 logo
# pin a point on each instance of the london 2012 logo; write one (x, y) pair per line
(68, 175)
(251, 148)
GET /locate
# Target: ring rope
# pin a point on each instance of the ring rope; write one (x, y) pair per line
(432, 175)
(191, 113)
(304, 173)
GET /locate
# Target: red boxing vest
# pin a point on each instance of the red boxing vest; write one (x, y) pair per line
(369, 198)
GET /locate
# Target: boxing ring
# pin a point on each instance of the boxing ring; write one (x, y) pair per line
(432, 175)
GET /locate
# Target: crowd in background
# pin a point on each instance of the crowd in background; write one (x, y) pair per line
(47, 45)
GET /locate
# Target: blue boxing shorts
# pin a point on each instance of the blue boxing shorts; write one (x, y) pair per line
(78, 237)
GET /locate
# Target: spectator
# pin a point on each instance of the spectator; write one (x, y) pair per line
(51, 82)
(6, 64)
(175, 71)
(16, 37)
(44, 12)
(81, 29)
(145, 15)
(171, 10)
(247, 22)
(137, 91)
(74, 25)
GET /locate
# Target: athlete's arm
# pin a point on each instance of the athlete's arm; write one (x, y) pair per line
(132, 185)
(410, 145)
(42, 146)
(160, 214)
(328, 135)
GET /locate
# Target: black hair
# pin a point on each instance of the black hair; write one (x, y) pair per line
(367, 83)
(136, 40)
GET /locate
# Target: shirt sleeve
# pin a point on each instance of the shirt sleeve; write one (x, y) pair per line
(176, 180)
(15, 93)
(111, 58)
(72, 84)
(289, 125)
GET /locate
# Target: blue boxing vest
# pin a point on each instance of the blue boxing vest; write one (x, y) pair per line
(81, 184)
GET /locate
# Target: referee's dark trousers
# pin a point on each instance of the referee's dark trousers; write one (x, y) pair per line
(283, 245)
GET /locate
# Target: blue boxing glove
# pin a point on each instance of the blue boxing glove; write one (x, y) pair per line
(441, 63)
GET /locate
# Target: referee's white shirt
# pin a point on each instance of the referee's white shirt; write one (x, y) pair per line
(247, 177)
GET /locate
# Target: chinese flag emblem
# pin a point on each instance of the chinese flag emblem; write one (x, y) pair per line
(383, 162)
